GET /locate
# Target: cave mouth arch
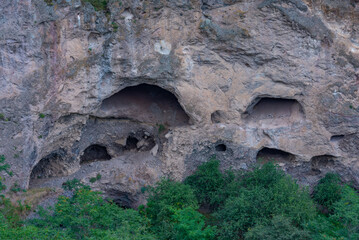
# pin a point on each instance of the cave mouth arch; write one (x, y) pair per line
(281, 110)
(145, 103)
(94, 153)
(52, 165)
(274, 155)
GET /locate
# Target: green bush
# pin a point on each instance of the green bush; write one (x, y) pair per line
(328, 191)
(164, 200)
(188, 224)
(88, 216)
(264, 193)
(322, 228)
(206, 181)
(346, 212)
(279, 228)
(166, 197)
(73, 185)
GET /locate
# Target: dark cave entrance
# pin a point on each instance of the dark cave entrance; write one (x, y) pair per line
(139, 141)
(52, 165)
(274, 109)
(145, 103)
(94, 153)
(274, 155)
(221, 148)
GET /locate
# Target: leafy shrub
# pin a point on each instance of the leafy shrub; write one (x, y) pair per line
(164, 200)
(94, 179)
(4, 167)
(265, 176)
(322, 228)
(8, 232)
(279, 228)
(166, 197)
(346, 212)
(206, 181)
(73, 184)
(87, 214)
(328, 191)
(264, 193)
(188, 224)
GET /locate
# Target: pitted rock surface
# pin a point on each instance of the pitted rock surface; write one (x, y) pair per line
(248, 81)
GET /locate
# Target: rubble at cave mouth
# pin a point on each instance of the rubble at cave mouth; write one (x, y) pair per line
(277, 110)
(145, 103)
(274, 155)
(93, 153)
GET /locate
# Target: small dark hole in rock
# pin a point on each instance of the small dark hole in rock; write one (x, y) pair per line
(216, 116)
(336, 138)
(131, 143)
(94, 153)
(272, 154)
(221, 148)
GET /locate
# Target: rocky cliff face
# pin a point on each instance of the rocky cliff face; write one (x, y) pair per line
(151, 88)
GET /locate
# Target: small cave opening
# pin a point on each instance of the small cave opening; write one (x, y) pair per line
(322, 163)
(274, 155)
(336, 138)
(145, 103)
(94, 153)
(217, 116)
(52, 165)
(131, 143)
(221, 148)
(277, 110)
(139, 141)
(122, 199)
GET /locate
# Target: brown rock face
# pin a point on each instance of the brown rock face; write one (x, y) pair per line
(154, 88)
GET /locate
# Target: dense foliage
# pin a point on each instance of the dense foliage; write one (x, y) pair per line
(260, 204)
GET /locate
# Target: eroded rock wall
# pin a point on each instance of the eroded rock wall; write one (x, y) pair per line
(253, 79)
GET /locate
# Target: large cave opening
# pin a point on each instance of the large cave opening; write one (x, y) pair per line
(276, 110)
(94, 153)
(145, 103)
(274, 155)
(52, 165)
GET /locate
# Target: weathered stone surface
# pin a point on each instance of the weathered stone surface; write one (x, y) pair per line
(61, 64)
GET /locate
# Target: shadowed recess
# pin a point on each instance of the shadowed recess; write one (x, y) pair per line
(52, 165)
(221, 148)
(145, 103)
(277, 110)
(94, 153)
(322, 162)
(274, 155)
(336, 138)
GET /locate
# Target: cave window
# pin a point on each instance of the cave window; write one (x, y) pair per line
(274, 108)
(131, 143)
(217, 116)
(145, 103)
(221, 148)
(94, 153)
(272, 154)
(52, 165)
(336, 138)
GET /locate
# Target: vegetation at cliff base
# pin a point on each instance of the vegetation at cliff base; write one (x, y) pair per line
(264, 203)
